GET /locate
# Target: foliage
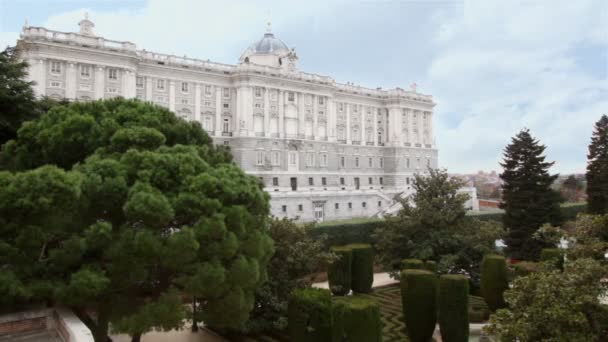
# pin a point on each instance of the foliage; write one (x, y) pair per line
(553, 255)
(430, 265)
(140, 206)
(597, 168)
(339, 272)
(357, 319)
(551, 305)
(572, 189)
(296, 257)
(419, 298)
(527, 196)
(568, 211)
(435, 228)
(494, 280)
(478, 310)
(522, 269)
(362, 268)
(341, 234)
(310, 315)
(412, 264)
(587, 236)
(453, 302)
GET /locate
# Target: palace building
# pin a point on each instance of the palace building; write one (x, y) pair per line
(324, 150)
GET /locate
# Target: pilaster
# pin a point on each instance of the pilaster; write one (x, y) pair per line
(149, 88)
(315, 117)
(172, 95)
(197, 102)
(100, 82)
(281, 114)
(218, 111)
(266, 112)
(70, 81)
(348, 124)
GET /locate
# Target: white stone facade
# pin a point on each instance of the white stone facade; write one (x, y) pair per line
(324, 150)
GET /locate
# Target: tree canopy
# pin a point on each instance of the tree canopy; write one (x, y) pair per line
(527, 196)
(119, 207)
(597, 169)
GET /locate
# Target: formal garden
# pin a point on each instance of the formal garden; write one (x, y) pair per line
(137, 222)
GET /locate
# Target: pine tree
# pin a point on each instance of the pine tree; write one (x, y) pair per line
(527, 197)
(597, 169)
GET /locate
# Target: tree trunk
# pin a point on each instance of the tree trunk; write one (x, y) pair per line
(136, 338)
(100, 333)
(194, 322)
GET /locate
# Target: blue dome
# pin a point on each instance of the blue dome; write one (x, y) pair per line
(267, 45)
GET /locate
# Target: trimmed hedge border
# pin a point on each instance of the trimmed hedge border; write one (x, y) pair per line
(419, 303)
(362, 276)
(357, 319)
(454, 308)
(339, 272)
(412, 264)
(494, 280)
(310, 315)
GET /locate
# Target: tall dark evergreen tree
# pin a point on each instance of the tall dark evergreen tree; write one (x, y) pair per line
(17, 101)
(527, 197)
(597, 169)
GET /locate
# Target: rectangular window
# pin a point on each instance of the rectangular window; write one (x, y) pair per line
(407, 163)
(350, 205)
(341, 180)
(310, 160)
(112, 90)
(276, 158)
(407, 180)
(284, 208)
(55, 67)
(185, 87)
(380, 180)
(185, 101)
(364, 204)
(207, 104)
(226, 93)
(321, 100)
(112, 74)
(160, 84)
(337, 205)
(226, 125)
(428, 163)
(300, 207)
(55, 84)
(275, 181)
(311, 181)
(342, 161)
(370, 162)
(139, 82)
(324, 160)
(323, 181)
(85, 71)
(291, 96)
(292, 158)
(381, 162)
(370, 180)
(259, 160)
(341, 107)
(379, 203)
(207, 90)
(226, 105)
(258, 92)
(356, 161)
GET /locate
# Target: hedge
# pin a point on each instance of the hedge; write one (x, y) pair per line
(346, 234)
(339, 271)
(412, 264)
(494, 280)
(419, 303)
(568, 212)
(357, 319)
(454, 308)
(309, 315)
(554, 255)
(362, 271)
(430, 265)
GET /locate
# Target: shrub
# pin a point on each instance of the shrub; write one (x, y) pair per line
(523, 268)
(494, 281)
(419, 298)
(310, 315)
(357, 319)
(412, 264)
(430, 265)
(454, 308)
(553, 255)
(339, 271)
(347, 233)
(362, 268)
(478, 310)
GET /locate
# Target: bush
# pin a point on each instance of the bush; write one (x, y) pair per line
(357, 319)
(553, 255)
(362, 268)
(478, 310)
(523, 268)
(430, 265)
(339, 272)
(310, 315)
(454, 308)
(494, 281)
(419, 298)
(348, 233)
(412, 264)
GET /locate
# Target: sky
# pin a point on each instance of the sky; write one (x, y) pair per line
(492, 67)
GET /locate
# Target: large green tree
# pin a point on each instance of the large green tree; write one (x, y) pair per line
(17, 101)
(527, 196)
(597, 169)
(433, 226)
(119, 207)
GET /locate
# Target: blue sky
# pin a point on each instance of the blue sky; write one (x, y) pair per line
(493, 67)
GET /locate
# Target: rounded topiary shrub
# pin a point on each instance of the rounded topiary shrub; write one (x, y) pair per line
(430, 265)
(362, 271)
(412, 264)
(454, 308)
(309, 315)
(553, 255)
(339, 271)
(419, 298)
(494, 281)
(357, 319)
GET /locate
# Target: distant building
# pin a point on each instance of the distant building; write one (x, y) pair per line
(324, 150)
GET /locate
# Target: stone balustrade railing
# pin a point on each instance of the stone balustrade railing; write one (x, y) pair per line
(32, 32)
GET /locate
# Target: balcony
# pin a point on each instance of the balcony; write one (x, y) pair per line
(226, 134)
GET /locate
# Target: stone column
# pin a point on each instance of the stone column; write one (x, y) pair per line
(172, 95)
(70, 81)
(128, 84)
(218, 111)
(281, 114)
(348, 124)
(197, 102)
(301, 116)
(100, 82)
(149, 89)
(375, 125)
(363, 131)
(315, 117)
(266, 112)
(331, 120)
(431, 136)
(38, 74)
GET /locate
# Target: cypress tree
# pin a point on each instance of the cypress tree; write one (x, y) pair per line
(597, 169)
(527, 197)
